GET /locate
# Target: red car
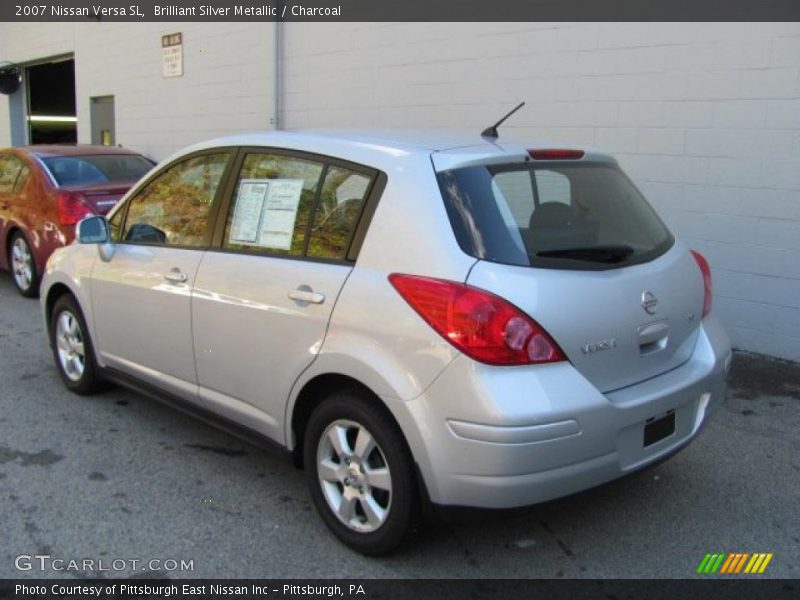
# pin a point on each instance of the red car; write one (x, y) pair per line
(46, 190)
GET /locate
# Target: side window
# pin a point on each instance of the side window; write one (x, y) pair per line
(340, 204)
(272, 204)
(10, 167)
(173, 209)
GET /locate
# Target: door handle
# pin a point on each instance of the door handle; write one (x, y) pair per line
(307, 295)
(176, 276)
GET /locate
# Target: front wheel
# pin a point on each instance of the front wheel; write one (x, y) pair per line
(72, 347)
(360, 473)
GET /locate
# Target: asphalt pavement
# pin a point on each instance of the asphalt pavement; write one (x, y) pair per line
(120, 477)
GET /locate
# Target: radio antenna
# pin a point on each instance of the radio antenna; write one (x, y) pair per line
(490, 133)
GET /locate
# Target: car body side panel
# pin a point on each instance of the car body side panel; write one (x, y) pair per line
(376, 338)
(72, 267)
(410, 232)
(142, 319)
(251, 340)
(377, 369)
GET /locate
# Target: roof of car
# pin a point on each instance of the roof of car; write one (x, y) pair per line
(436, 140)
(48, 150)
(452, 147)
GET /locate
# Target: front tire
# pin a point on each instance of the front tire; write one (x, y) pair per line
(23, 267)
(72, 347)
(360, 473)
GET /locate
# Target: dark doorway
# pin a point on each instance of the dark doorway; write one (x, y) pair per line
(51, 103)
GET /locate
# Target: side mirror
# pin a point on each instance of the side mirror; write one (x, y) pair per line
(93, 230)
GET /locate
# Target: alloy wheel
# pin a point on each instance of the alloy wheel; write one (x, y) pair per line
(69, 343)
(22, 263)
(354, 476)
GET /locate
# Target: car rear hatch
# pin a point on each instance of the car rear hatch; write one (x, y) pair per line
(598, 318)
(573, 243)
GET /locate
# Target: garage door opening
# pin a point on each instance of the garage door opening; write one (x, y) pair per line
(51, 103)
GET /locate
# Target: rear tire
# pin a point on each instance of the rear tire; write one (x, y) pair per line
(72, 347)
(23, 266)
(360, 473)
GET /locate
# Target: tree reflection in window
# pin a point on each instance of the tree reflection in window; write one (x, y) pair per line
(10, 167)
(173, 209)
(339, 208)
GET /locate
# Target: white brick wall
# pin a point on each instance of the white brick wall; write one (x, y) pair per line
(704, 117)
(226, 87)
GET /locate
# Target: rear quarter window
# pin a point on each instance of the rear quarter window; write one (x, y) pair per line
(10, 169)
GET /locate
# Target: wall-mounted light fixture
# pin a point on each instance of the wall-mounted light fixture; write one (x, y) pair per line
(10, 78)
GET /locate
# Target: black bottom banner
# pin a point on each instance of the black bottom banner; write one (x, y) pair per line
(390, 589)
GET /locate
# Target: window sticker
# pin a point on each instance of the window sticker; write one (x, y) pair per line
(280, 213)
(265, 212)
(247, 213)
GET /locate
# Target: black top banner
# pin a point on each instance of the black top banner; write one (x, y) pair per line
(401, 10)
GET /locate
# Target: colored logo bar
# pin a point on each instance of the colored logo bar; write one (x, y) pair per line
(734, 562)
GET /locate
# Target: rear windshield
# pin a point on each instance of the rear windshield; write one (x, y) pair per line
(101, 168)
(553, 215)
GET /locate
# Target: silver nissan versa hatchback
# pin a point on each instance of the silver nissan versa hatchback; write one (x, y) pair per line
(418, 319)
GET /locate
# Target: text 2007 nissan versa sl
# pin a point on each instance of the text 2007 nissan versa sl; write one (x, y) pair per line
(417, 318)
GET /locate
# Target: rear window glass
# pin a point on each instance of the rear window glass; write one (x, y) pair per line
(101, 168)
(556, 215)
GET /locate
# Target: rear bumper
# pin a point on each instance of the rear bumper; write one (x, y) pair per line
(508, 437)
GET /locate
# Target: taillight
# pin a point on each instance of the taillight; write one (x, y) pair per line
(479, 324)
(708, 288)
(70, 209)
(556, 154)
